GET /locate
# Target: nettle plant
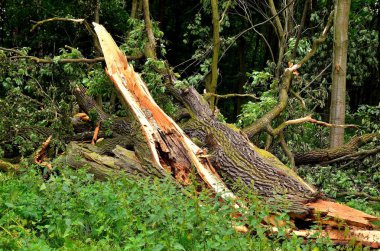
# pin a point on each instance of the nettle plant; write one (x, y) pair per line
(75, 211)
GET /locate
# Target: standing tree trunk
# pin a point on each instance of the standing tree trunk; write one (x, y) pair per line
(98, 97)
(134, 9)
(150, 47)
(338, 88)
(211, 88)
(281, 38)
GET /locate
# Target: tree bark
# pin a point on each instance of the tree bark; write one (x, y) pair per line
(326, 155)
(150, 47)
(338, 87)
(211, 87)
(134, 9)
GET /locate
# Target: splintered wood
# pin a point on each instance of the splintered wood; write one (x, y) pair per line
(170, 149)
(343, 213)
(41, 154)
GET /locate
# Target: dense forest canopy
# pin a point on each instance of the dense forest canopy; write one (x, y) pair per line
(274, 104)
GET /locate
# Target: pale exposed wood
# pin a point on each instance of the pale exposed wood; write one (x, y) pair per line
(40, 155)
(342, 212)
(96, 132)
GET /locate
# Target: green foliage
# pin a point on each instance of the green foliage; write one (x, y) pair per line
(263, 85)
(74, 211)
(156, 84)
(253, 111)
(368, 118)
(32, 96)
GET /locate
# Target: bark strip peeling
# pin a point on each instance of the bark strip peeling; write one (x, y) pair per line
(169, 149)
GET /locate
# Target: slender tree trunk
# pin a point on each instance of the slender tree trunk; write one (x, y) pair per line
(211, 88)
(302, 24)
(242, 72)
(150, 47)
(338, 88)
(134, 9)
(99, 99)
(281, 38)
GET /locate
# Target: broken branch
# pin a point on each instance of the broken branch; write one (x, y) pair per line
(38, 159)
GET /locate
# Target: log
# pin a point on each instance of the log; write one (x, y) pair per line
(327, 155)
(79, 155)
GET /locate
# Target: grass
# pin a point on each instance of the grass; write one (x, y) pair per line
(73, 211)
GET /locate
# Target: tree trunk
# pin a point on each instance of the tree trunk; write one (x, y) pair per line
(338, 87)
(150, 47)
(211, 88)
(134, 9)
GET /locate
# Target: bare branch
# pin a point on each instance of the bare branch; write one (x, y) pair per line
(62, 61)
(22, 55)
(230, 95)
(279, 27)
(306, 119)
(303, 20)
(286, 149)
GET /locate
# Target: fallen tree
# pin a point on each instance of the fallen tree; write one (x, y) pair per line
(155, 144)
(149, 143)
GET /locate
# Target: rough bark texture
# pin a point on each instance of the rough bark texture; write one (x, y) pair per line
(236, 158)
(338, 88)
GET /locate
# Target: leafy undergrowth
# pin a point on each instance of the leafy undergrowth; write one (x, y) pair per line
(74, 211)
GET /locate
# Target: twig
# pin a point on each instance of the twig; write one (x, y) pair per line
(297, 96)
(287, 150)
(225, 11)
(12, 50)
(359, 194)
(303, 20)
(312, 81)
(96, 132)
(62, 61)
